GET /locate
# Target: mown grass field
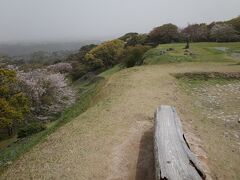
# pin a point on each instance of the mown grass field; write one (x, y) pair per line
(198, 52)
(113, 138)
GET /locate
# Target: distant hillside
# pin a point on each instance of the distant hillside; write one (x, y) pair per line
(29, 48)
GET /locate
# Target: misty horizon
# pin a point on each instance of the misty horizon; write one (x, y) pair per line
(74, 20)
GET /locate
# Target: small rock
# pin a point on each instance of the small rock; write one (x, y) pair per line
(236, 136)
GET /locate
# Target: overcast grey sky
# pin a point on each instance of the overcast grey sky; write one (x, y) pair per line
(31, 20)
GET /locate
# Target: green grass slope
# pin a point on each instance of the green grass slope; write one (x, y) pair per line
(198, 52)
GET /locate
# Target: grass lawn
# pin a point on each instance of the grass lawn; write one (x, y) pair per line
(198, 52)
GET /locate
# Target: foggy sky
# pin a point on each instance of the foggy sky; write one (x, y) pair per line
(41, 20)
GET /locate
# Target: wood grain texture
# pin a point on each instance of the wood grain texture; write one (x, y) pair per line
(173, 157)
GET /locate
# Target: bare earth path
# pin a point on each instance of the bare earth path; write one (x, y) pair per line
(113, 139)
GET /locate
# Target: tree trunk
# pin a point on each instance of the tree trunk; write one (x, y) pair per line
(173, 157)
(188, 43)
(10, 130)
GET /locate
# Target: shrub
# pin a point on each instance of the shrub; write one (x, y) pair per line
(79, 56)
(93, 62)
(105, 55)
(31, 129)
(13, 102)
(78, 70)
(133, 55)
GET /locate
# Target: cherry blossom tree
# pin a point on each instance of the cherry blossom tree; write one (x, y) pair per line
(60, 67)
(224, 33)
(49, 92)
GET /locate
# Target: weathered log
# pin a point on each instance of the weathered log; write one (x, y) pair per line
(173, 157)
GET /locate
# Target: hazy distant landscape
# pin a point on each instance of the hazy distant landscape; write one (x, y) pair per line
(21, 49)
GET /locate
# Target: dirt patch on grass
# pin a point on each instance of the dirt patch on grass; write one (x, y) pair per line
(208, 75)
(217, 101)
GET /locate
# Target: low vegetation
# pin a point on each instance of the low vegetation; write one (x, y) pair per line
(134, 55)
(14, 103)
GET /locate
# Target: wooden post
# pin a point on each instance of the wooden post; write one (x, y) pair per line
(173, 157)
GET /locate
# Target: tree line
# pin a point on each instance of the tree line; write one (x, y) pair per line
(228, 31)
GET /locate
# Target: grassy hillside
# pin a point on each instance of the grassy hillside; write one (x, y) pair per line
(87, 91)
(198, 52)
(113, 138)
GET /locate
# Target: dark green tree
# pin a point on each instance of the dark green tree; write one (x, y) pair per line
(79, 56)
(235, 22)
(132, 39)
(166, 33)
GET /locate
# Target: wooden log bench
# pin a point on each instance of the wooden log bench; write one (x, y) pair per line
(173, 157)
